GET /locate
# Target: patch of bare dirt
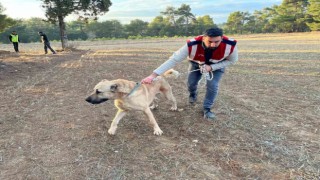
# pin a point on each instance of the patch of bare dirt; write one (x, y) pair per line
(267, 109)
(4, 52)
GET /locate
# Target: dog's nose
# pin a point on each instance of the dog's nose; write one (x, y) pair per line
(88, 99)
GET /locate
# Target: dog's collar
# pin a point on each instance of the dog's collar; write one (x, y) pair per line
(138, 84)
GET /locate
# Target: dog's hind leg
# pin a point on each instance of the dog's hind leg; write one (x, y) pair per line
(156, 128)
(168, 94)
(115, 121)
(154, 103)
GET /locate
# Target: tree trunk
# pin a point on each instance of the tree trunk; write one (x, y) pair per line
(63, 35)
(187, 28)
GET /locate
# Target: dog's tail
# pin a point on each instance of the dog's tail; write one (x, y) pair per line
(171, 73)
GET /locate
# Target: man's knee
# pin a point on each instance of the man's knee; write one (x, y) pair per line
(213, 87)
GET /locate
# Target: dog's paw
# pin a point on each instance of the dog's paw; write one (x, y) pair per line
(112, 131)
(173, 108)
(153, 106)
(157, 132)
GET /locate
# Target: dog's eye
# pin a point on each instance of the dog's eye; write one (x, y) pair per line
(113, 88)
(98, 92)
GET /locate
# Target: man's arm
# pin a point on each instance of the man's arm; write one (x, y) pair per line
(177, 57)
(231, 59)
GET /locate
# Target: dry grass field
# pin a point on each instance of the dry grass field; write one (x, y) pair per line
(267, 110)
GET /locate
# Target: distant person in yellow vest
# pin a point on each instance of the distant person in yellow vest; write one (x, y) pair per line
(14, 38)
(46, 43)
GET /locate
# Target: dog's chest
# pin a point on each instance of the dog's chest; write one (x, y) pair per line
(128, 105)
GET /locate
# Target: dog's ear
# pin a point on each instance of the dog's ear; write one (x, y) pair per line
(113, 87)
(122, 86)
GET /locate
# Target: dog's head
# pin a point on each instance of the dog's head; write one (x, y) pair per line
(106, 90)
(102, 92)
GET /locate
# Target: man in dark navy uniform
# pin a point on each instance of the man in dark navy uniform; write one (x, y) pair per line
(46, 43)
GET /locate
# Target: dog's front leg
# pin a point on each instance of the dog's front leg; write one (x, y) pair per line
(156, 128)
(115, 121)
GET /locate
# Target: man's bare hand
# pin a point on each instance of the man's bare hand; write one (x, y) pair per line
(149, 79)
(208, 68)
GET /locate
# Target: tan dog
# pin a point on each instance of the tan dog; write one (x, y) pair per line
(128, 96)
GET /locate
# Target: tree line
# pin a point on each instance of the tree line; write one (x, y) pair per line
(290, 16)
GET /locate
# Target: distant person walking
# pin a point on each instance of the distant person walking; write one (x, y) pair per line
(14, 38)
(46, 43)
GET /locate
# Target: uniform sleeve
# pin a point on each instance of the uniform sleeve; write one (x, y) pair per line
(231, 59)
(177, 57)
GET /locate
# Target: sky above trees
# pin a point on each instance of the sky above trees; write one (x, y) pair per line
(127, 10)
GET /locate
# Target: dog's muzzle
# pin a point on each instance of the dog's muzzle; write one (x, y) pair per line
(95, 100)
